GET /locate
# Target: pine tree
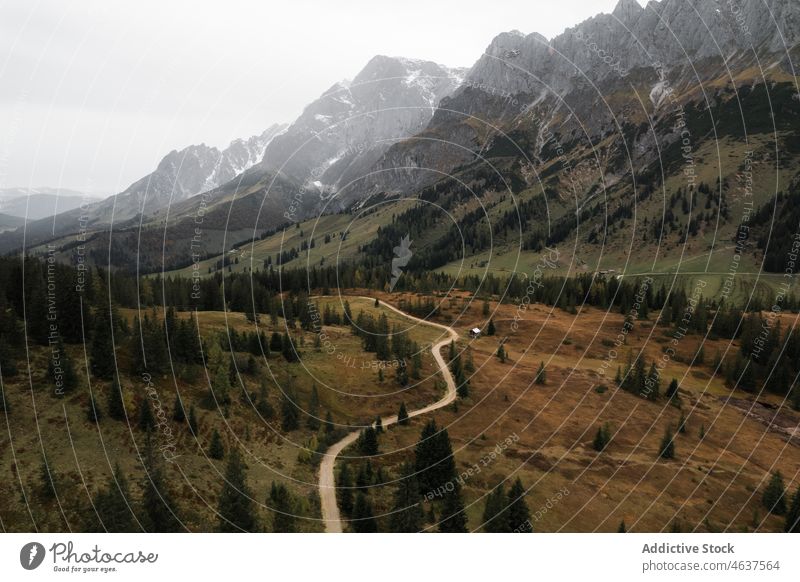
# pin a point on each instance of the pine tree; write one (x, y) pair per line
(194, 427)
(329, 426)
(402, 415)
(433, 459)
(495, 514)
(115, 404)
(236, 509)
(288, 349)
(490, 330)
(667, 449)
(146, 420)
(289, 414)
(178, 413)
(622, 528)
(282, 506)
(312, 421)
(792, 524)
(378, 425)
(363, 519)
(774, 498)
(344, 489)
(541, 375)
(159, 510)
(602, 438)
(652, 384)
(518, 514)
(112, 506)
(406, 514)
(672, 390)
(49, 479)
(215, 449)
(501, 354)
(368, 442)
(454, 517)
(682, 423)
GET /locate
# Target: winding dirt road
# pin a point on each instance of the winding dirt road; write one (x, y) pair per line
(327, 482)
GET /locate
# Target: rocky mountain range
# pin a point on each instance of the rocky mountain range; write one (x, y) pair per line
(183, 174)
(589, 111)
(341, 134)
(640, 54)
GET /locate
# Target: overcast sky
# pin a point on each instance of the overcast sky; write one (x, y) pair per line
(94, 93)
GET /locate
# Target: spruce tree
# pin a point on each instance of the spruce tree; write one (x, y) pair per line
(115, 405)
(518, 514)
(402, 415)
(602, 438)
(406, 514)
(282, 506)
(682, 423)
(363, 519)
(774, 499)
(215, 449)
(146, 420)
(495, 514)
(112, 506)
(159, 510)
(236, 509)
(194, 426)
(178, 413)
(49, 479)
(433, 459)
(672, 390)
(501, 354)
(454, 517)
(541, 375)
(667, 449)
(329, 426)
(792, 524)
(312, 421)
(368, 442)
(622, 528)
(344, 489)
(289, 414)
(490, 330)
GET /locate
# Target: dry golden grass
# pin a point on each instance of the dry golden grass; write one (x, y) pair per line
(714, 483)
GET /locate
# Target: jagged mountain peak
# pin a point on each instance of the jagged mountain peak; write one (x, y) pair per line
(627, 10)
(352, 123)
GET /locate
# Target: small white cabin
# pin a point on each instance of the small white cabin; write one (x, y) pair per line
(475, 332)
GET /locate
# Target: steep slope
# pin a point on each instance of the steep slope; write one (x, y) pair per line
(179, 176)
(588, 81)
(347, 129)
(186, 173)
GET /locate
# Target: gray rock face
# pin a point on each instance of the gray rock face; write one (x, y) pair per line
(526, 80)
(183, 174)
(665, 34)
(341, 134)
